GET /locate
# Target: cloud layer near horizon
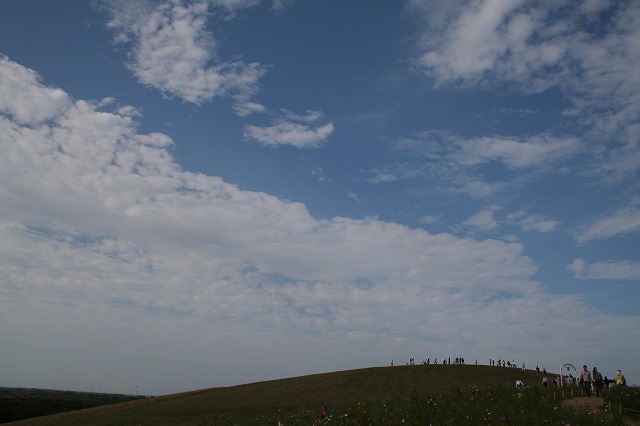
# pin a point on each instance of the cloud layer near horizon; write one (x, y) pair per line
(108, 242)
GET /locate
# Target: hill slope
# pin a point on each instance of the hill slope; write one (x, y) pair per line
(244, 402)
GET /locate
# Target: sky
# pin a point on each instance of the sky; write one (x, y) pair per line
(202, 193)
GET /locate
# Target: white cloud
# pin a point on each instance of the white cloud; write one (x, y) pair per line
(460, 163)
(474, 42)
(309, 117)
(625, 270)
(483, 220)
(129, 111)
(175, 53)
(429, 219)
(245, 108)
(280, 5)
(233, 6)
(354, 196)
(395, 172)
(534, 46)
(478, 39)
(291, 129)
(533, 222)
(319, 173)
(539, 224)
(528, 152)
(382, 176)
(621, 222)
(40, 103)
(111, 252)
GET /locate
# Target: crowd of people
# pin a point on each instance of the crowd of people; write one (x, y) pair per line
(591, 381)
(445, 361)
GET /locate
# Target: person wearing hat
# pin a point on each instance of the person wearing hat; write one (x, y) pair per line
(620, 380)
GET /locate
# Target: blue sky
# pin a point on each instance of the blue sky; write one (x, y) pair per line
(213, 192)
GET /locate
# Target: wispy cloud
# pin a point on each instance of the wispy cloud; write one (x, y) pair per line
(531, 47)
(279, 5)
(429, 219)
(527, 152)
(354, 196)
(468, 165)
(620, 222)
(533, 222)
(625, 270)
(513, 153)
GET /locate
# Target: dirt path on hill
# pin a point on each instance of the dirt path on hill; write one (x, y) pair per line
(583, 401)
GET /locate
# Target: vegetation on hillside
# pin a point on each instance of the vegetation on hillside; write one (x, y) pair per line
(17, 404)
(417, 395)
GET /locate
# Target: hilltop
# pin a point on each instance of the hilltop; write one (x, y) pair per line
(312, 391)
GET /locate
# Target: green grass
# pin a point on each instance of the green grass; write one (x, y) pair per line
(436, 394)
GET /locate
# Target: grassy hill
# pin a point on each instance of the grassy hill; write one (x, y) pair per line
(22, 403)
(244, 403)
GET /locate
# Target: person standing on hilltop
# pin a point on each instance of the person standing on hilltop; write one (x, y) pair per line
(585, 380)
(597, 381)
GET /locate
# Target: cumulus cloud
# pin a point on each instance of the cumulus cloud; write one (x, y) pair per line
(625, 270)
(111, 248)
(174, 52)
(40, 103)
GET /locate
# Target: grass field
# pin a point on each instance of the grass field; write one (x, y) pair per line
(420, 395)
